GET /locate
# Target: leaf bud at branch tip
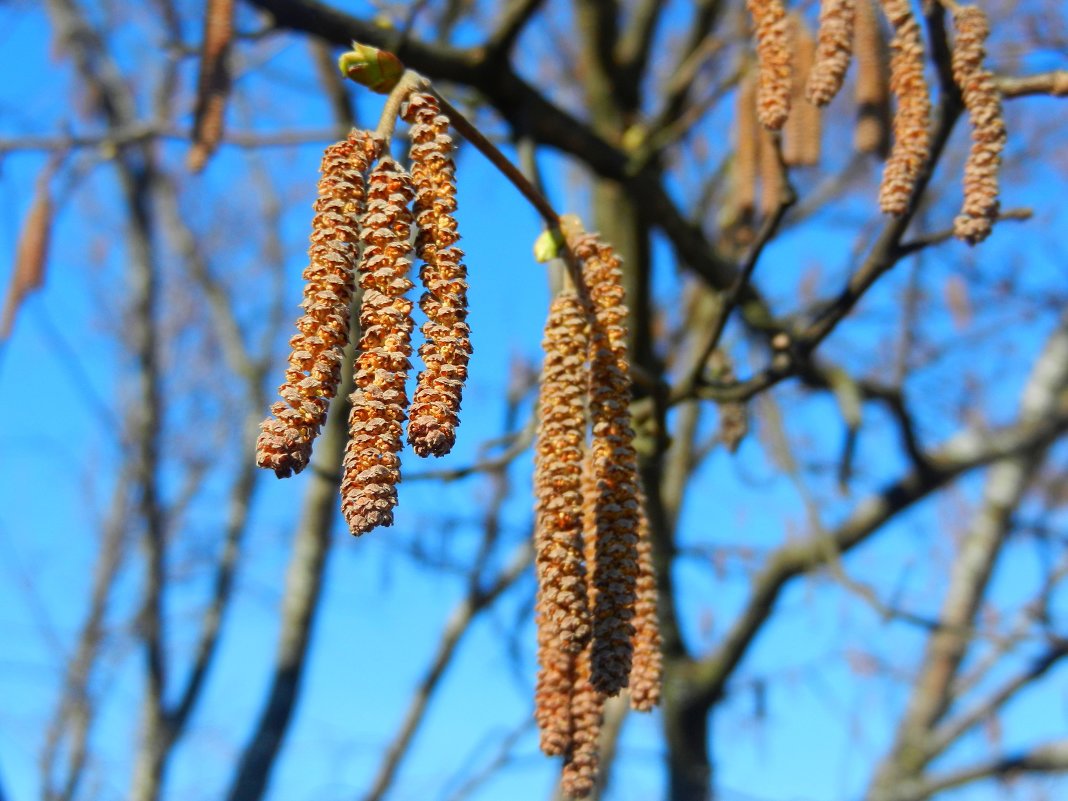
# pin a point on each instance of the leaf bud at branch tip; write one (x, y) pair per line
(378, 70)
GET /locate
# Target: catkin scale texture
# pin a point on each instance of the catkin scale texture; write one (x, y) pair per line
(371, 468)
(773, 57)
(912, 138)
(615, 465)
(833, 51)
(558, 475)
(315, 360)
(434, 413)
(645, 672)
(983, 102)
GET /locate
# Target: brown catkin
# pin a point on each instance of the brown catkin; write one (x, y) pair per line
(773, 57)
(552, 693)
(772, 176)
(433, 417)
(872, 134)
(558, 475)
(983, 102)
(213, 82)
(834, 51)
(582, 761)
(747, 131)
(801, 133)
(315, 359)
(615, 463)
(371, 468)
(912, 138)
(645, 671)
(31, 254)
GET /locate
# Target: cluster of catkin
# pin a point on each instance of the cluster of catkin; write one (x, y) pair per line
(361, 239)
(596, 604)
(848, 25)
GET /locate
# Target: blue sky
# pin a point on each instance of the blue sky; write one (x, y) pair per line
(823, 721)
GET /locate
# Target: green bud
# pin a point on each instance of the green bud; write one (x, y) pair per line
(378, 70)
(547, 246)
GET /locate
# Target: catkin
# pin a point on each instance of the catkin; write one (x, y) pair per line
(552, 693)
(582, 761)
(371, 467)
(983, 102)
(801, 133)
(645, 671)
(834, 51)
(773, 57)
(615, 464)
(315, 360)
(747, 131)
(912, 142)
(31, 254)
(772, 175)
(872, 134)
(433, 417)
(213, 82)
(558, 475)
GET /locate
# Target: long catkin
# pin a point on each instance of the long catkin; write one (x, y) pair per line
(371, 468)
(434, 413)
(315, 360)
(872, 133)
(773, 62)
(802, 131)
(558, 475)
(833, 52)
(645, 671)
(912, 138)
(983, 102)
(213, 82)
(747, 133)
(615, 464)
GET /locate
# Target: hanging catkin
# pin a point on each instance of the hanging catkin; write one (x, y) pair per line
(912, 142)
(582, 761)
(645, 672)
(773, 61)
(433, 417)
(772, 176)
(747, 132)
(213, 82)
(558, 475)
(834, 50)
(801, 133)
(315, 360)
(552, 693)
(371, 467)
(872, 134)
(615, 463)
(983, 102)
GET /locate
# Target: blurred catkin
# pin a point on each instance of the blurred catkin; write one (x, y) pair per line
(834, 51)
(983, 102)
(645, 672)
(747, 131)
(872, 134)
(213, 82)
(773, 61)
(315, 360)
(561, 438)
(912, 138)
(371, 468)
(615, 463)
(801, 133)
(433, 417)
(31, 254)
(772, 175)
